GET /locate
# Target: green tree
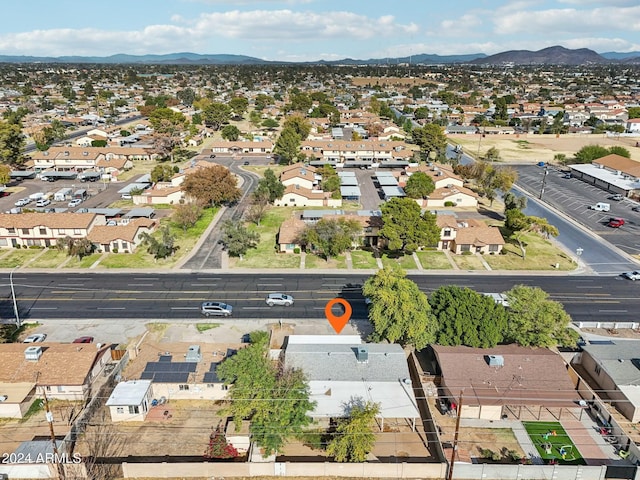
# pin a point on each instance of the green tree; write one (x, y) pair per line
(300, 102)
(216, 114)
(354, 438)
(239, 105)
(212, 185)
(619, 150)
(466, 317)
(275, 400)
(288, 145)
(520, 225)
(492, 155)
(331, 183)
(491, 178)
(5, 174)
(12, 143)
(419, 185)
(259, 205)
(230, 132)
(589, 153)
(237, 239)
(430, 138)
(405, 228)
(186, 215)
(512, 201)
(262, 101)
(77, 247)
(400, 312)
(633, 112)
(534, 320)
(160, 248)
(186, 96)
(331, 236)
(270, 123)
(272, 185)
(166, 121)
(298, 124)
(162, 172)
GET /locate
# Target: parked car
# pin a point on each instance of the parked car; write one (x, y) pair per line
(86, 339)
(22, 202)
(75, 202)
(279, 299)
(636, 208)
(617, 197)
(43, 202)
(615, 222)
(635, 275)
(212, 155)
(216, 309)
(35, 338)
(246, 163)
(567, 175)
(600, 207)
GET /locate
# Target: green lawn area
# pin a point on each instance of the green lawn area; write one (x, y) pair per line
(265, 254)
(49, 259)
(85, 262)
(468, 262)
(433, 260)
(18, 257)
(406, 262)
(542, 432)
(541, 255)
(203, 327)
(314, 261)
(363, 259)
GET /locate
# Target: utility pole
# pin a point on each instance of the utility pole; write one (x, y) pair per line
(13, 296)
(544, 181)
(49, 416)
(455, 438)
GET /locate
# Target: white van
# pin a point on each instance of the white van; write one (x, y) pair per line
(601, 207)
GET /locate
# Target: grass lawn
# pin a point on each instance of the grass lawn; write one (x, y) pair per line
(203, 327)
(265, 255)
(363, 259)
(406, 262)
(85, 262)
(434, 260)
(314, 261)
(49, 259)
(18, 257)
(541, 255)
(468, 262)
(538, 431)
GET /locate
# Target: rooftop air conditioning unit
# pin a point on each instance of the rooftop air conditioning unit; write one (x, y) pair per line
(33, 353)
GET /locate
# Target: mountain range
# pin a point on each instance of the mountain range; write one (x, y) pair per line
(556, 55)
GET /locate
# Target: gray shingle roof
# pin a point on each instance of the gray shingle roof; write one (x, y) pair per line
(620, 359)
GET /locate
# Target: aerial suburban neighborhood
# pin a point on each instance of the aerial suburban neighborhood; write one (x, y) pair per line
(422, 270)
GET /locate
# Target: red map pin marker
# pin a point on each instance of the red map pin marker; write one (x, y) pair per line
(338, 321)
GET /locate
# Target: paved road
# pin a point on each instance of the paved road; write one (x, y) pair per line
(209, 255)
(178, 295)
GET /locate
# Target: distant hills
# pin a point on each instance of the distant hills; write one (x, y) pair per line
(555, 55)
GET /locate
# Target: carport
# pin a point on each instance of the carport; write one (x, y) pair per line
(22, 175)
(64, 175)
(350, 193)
(392, 192)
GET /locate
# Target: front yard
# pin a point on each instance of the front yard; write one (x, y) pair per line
(541, 254)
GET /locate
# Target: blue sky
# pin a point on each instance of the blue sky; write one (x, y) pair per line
(302, 30)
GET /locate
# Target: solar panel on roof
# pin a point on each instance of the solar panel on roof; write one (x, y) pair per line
(211, 377)
(165, 358)
(171, 377)
(231, 352)
(214, 366)
(154, 367)
(146, 376)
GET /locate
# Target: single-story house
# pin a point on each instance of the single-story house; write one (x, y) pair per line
(130, 401)
(64, 371)
(615, 367)
(288, 238)
(155, 196)
(297, 196)
(342, 371)
(17, 398)
(300, 175)
(506, 380)
(121, 238)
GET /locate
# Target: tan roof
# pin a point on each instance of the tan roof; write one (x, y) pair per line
(297, 166)
(16, 392)
(51, 220)
(161, 192)
(301, 172)
(60, 363)
(305, 192)
(290, 229)
(112, 162)
(103, 234)
(446, 221)
(85, 153)
(530, 376)
(479, 236)
(356, 145)
(618, 162)
(447, 192)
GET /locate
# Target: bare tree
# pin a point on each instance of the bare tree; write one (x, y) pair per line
(102, 441)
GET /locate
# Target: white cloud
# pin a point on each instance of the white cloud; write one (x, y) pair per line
(557, 21)
(462, 24)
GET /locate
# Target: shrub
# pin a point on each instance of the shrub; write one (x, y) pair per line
(467, 253)
(489, 454)
(449, 204)
(513, 455)
(115, 250)
(296, 250)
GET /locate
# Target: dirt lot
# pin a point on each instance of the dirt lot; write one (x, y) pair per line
(535, 148)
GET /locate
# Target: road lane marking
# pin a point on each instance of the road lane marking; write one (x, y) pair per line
(43, 308)
(71, 284)
(185, 308)
(256, 308)
(203, 284)
(110, 308)
(613, 311)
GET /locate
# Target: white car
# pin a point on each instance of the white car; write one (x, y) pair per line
(43, 202)
(22, 202)
(75, 202)
(279, 299)
(635, 275)
(35, 338)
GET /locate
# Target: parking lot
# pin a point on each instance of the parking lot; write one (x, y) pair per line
(573, 197)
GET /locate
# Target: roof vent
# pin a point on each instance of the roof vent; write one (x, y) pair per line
(33, 353)
(362, 354)
(193, 354)
(495, 360)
